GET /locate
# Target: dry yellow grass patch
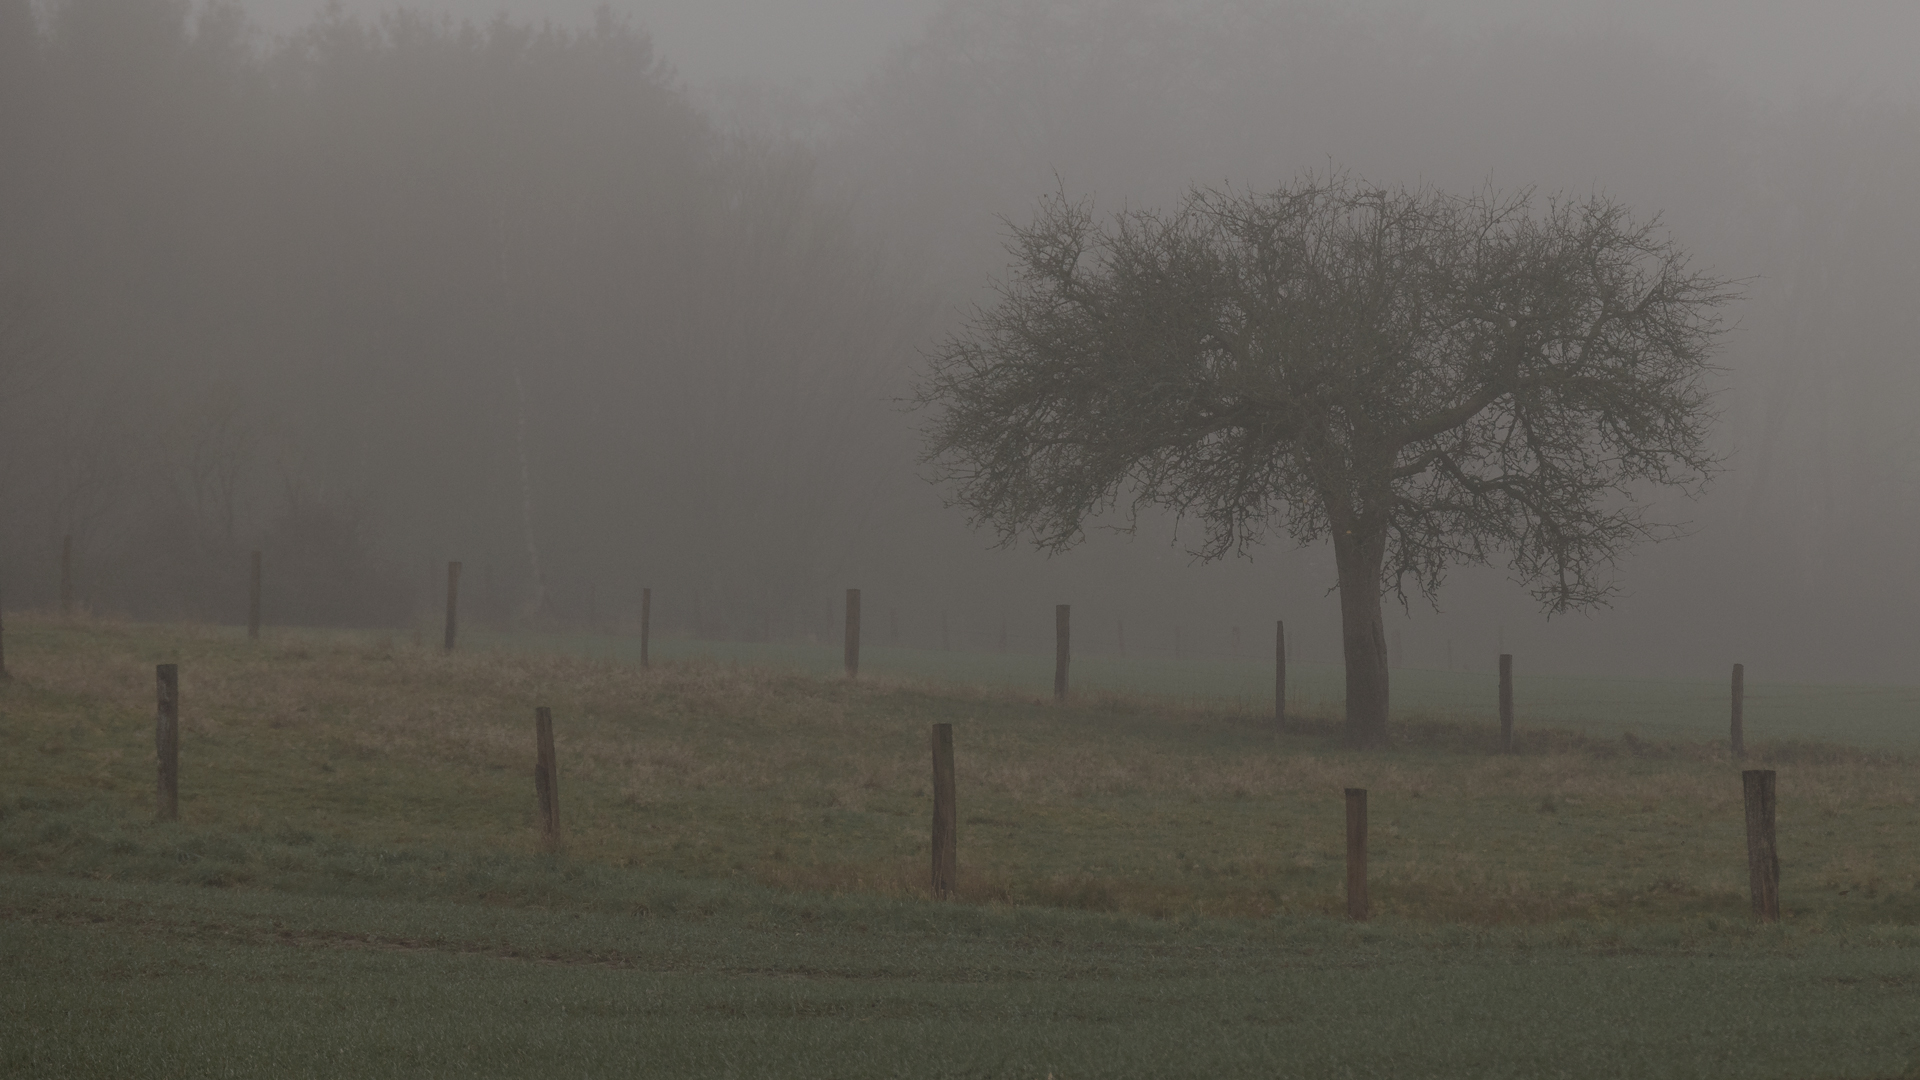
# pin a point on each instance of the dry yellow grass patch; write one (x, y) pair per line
(1110, 802)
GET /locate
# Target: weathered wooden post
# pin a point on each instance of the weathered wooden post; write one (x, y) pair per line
(1739, 708)
(66, 575)
(253, 600)
(546, 778)
(853, 633)
(1357, 853)
(1763, 858)
(646, 625)
(946, 860)
(1062, 618)
(166, 742)
(1506, 701)
(453, 602)
(1280, 674)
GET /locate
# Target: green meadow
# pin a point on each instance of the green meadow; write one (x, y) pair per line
(1879, 716)
(1150, 875)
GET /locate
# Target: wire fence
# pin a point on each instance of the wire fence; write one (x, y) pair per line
(1879, 717)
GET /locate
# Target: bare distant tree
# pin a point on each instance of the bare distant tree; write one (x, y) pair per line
(1426, 379)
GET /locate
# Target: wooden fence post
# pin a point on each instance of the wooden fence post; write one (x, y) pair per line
(646, 625)
(1280, 674)
(853, 633)
(1739, 708)
(1763, 858)
(1357, 853)
(546, 778)
(1062, 631)
(946, 859)
(253, 600)
(1506, 701)
(66, 575)
(166, 742)
(453, 602)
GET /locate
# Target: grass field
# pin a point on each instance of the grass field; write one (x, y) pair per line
(1884, 716)
(1149, 883)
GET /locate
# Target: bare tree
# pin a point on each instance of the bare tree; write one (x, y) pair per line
(1423, 378)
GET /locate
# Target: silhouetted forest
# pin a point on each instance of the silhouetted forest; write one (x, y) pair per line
(383, 295)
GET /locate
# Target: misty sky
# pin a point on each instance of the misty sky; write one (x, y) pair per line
(1776, 47)
(520, 299)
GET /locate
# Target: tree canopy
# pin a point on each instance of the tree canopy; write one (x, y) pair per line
(1426, 379)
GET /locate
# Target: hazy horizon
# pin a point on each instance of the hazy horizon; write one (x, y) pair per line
(1782, 49)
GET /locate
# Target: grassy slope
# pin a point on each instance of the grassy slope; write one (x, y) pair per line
(1884, 717)
(746, 859)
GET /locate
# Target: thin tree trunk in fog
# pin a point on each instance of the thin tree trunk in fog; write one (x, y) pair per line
(1363, 635)
(1280, 674)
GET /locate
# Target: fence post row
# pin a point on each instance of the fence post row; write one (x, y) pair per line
(253, 600)
(1506, 701)
(166, 742)
(1357, 853)
(1280, 674)
(945, 817)
(1763, 858)
(646, 625)
(1738, 733)
(853, 633)
(66, 575)
(453, 602)
(1758, 785)
(546, 778)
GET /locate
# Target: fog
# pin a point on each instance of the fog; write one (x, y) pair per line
(602, 301)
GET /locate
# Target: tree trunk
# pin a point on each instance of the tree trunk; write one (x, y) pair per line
(1363, 634)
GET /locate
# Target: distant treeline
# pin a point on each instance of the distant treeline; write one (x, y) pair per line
(383, 294)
